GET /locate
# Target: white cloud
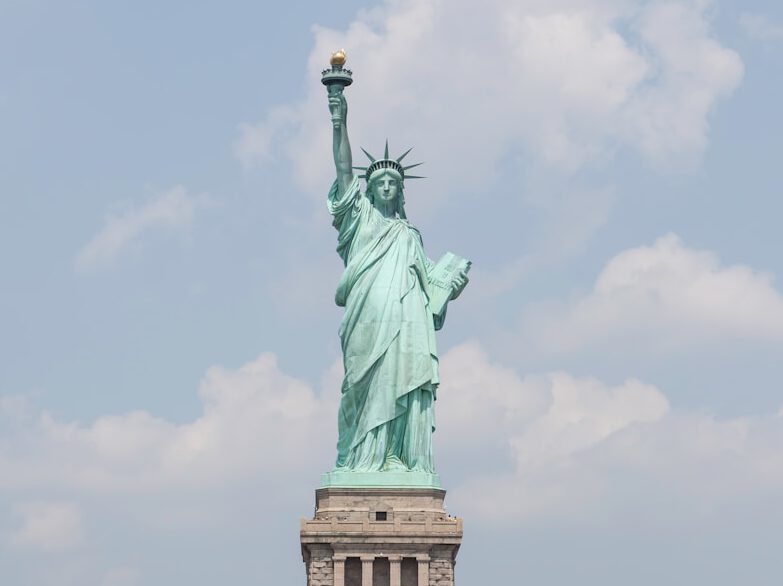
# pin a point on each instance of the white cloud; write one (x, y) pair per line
(663, 297)
(168, 209)
(48, 526)
(760, 27)
(467, 83)
(570, 450)
(256, 451)
(583, 413)
(254, 419)
(667, 119)
(480, 402)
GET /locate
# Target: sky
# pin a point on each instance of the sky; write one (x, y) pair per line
(611, 406)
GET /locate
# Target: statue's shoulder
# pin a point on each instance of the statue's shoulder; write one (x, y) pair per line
(412, 228)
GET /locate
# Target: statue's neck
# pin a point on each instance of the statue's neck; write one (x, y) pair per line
(388, 209)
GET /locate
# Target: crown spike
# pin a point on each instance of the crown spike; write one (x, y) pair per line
(402, 156)
(411, 166)
(369, 156)
(386, 150)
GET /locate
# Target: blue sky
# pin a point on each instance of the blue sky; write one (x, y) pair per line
(611, 406)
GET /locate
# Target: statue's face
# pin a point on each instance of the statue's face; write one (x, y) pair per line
(385, 188)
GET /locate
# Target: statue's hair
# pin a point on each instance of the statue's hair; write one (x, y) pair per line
(400, 189)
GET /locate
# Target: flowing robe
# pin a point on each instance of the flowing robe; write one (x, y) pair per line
(388, 339)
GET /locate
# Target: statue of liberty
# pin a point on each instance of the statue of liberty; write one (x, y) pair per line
(395, 298)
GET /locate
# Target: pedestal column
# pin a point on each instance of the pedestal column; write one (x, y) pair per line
(424, 569)
(395, 571)
(367, 562)
(339, 570)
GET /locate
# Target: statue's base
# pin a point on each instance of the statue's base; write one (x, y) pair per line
(401, 479)
(380, 536)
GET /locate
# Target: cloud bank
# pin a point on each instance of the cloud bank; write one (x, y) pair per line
(664, 297)
(566, 83)
(546, 447)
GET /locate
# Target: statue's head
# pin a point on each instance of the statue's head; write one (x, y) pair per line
(385, 178)
(385, 191)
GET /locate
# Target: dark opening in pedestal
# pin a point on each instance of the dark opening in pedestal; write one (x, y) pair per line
(410, 573)
(380, 572)
(353, 572)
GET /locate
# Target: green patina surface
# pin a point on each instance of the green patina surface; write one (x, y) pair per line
(386, 479)
(395, 298)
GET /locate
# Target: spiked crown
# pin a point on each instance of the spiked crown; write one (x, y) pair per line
(388, 163)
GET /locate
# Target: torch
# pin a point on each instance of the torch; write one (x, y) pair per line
(336, 79)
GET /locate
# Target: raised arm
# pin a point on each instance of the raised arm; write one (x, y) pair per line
(343, 161)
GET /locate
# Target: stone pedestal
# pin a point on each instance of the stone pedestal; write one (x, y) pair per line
(364, 536)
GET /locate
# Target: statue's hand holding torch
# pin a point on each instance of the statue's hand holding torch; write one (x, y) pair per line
(338, 106)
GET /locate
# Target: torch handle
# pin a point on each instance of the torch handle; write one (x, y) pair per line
(335, 89)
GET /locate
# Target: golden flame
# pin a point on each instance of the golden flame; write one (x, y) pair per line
(338, 58)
